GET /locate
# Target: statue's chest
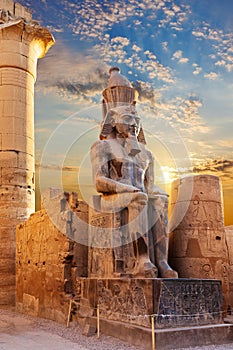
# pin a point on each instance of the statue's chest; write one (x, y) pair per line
(124, 166)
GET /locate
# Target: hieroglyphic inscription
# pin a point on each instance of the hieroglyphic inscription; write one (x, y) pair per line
(100, 243)
(123, 302)
(189, 302)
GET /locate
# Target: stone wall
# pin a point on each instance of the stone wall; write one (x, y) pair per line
(48, 262)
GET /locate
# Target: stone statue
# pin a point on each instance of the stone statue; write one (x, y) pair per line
(124, 174)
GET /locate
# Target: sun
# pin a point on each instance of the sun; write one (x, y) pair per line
(167, 176)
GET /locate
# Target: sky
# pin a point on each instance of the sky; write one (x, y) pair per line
(178, 54)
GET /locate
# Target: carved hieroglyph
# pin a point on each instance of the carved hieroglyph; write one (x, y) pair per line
(22, 42)
(123, 172)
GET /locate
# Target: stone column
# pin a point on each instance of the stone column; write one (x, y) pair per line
(198, 244)
(22, 42)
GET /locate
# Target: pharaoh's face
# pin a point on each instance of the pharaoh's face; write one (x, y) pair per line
(127, 125)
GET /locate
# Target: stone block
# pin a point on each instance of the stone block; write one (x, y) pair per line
(15, 93)
(19, 199)
(7, 233)
(17, 108)
(17, 77)
(7, 266)
(17, 143)
(14, 59)
(20, 177)
(169, 339)
(197, 188)
(229, 241)
(30, 304)
(175, 302)
(189, 215)
(14, 46)
(7, 279)
(7, 5)
(7, 295)
(26, 161)
(9, 214)
(21, 11)
(7, 249)
(89, 330)
(18, 126)
(8, 160)
(12, 125)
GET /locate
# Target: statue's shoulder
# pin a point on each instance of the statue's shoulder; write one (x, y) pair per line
(146, 152)
(100, 145)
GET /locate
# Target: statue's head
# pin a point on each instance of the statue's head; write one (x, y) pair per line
(124, 121)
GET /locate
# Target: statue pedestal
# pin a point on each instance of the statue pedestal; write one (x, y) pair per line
(186, 311)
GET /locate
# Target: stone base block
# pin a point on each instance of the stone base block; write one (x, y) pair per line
(167, 339)
(173, 302)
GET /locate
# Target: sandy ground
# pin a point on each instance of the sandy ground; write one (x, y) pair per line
(21, 332)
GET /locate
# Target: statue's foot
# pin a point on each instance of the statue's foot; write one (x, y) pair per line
(151, 270)
(166, 271)
(169, 274)
(145, 268)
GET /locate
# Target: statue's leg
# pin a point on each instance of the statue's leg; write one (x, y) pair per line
(123, 251)
(158, 219)
(138, 229)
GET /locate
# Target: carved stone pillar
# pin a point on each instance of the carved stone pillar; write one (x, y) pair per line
(22, 42)
(198, 242)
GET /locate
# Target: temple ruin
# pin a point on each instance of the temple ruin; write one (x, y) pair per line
(72, 258)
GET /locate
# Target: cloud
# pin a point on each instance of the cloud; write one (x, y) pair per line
(221, 168)
(146, 92)
(198, 34)
(136, 48)
(220, 45)
(57, 167)
(180, 112)
(183, 60)
(93, 19)
(121, 40)
(211, 76)
(197, 69)
(216, 166)
(226, 143)
(113, 52)
(165, 46)
(40, 130)
(178, 55)
(76, 76)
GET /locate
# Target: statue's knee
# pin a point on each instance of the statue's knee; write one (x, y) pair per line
(141, 198)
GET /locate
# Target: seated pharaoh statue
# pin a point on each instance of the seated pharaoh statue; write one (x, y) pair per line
(123, 171)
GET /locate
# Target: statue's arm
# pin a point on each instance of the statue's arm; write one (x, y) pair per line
(100, 157)
(152, 189)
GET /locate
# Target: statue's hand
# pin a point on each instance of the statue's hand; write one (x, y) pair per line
(157, 191)
(121, 188)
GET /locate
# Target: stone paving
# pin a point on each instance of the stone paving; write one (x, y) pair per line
(20, 332)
